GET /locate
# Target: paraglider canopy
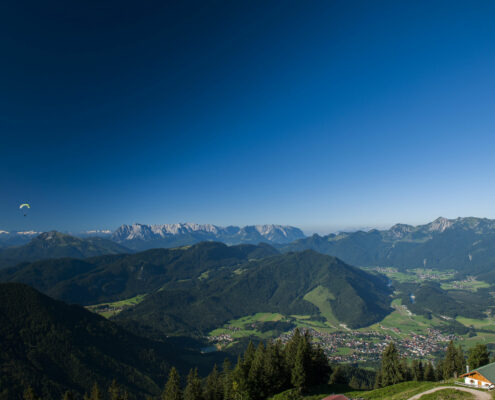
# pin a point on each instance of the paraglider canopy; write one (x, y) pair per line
(24, 208)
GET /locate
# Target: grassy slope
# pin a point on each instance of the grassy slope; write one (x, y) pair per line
(401, 391)
(448, 394)
(320, 297)
(108, 310)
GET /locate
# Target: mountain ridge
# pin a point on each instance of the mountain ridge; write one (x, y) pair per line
(142, 236)
(464, 244)
(54, 244)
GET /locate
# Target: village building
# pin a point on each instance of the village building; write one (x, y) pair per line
(482, 377)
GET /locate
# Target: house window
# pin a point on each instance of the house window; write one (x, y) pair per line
(471, 381)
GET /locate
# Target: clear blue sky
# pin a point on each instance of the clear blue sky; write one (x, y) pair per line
(323, 115)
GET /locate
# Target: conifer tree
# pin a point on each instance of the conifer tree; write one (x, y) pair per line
(378, 379)
(429, 374)
(478, 356)
(227, 379)
(172, 389)
(114, 391)
(301, 370)
(460, 362)
(275, 378)
(406, 371)
(420, 371)
(257, 384)
(95, 393)
(193, 390)
(248, 357)
(439, 370)
(213, 389)
(417, 370)
(390, 370)
(29, 394)
(338, 376)
(239, 380)
(291, 348)
(449, 362)
(298, 376)
(320, 368)
(354, 383)
(68, 395)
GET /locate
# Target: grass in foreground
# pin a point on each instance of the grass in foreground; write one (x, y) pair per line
(448, 394)
(401, 391)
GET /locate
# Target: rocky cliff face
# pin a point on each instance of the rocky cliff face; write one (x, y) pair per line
(169, 235)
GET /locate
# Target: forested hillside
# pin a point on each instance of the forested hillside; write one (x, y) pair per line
(110, 278)
(273, 284)
(464, 244)
(56, 347)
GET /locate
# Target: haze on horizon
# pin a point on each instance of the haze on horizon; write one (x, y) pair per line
(325, 116)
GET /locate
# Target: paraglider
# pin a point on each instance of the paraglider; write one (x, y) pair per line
(24, 208)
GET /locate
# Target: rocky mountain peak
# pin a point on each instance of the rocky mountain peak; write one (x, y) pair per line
(440, 224)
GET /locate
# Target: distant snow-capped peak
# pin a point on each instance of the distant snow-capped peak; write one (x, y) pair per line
(275, 233)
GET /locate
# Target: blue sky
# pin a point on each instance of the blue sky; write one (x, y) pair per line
(324, 115)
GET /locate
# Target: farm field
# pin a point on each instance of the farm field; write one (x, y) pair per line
(108, 310)
(416, 335)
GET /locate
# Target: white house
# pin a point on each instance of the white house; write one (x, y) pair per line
(482, 377)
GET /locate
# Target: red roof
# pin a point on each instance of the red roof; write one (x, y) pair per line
(336, 397)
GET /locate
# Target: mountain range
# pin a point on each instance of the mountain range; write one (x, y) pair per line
(57, 245)
(142, 237)
(193, 289)
(463, 244)
(117, 277)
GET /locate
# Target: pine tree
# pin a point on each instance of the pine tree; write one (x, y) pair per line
(114, 391)
(291, 348)
(439, 370)
(172, 388)
(298, 376)
(193, 390)
(227, 376)
(354, 383)
(378, 379)
(95, 393)
(338, 376)
(449, 362)
(320, 368)
(390, 370)
(301, 370)
(429, 374)
(248, 357)
(239, 380)
(417, 370)
(29, 394)
(275, 378)
(421, 371)
(460, 362)
(257, 382)
(68, 395)
(213, 389)
(478, 356)
(406, 371)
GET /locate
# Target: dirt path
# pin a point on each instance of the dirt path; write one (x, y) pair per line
(477, 394)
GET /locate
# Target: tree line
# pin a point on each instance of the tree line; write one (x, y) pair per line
(271, 368)
(260, 372)
(395, 369)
